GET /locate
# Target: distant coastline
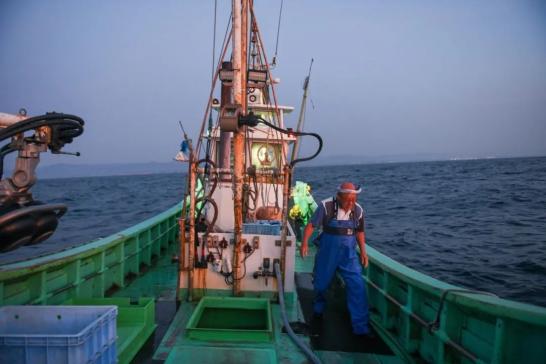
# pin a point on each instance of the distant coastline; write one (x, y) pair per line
(64, 170)
(108, 169)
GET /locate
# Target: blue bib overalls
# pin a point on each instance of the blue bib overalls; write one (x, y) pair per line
(338, 253)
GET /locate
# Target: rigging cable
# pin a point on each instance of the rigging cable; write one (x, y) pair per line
(225, 44)
(214, 39)
(274, 61)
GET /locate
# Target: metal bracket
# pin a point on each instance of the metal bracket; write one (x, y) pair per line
(229, 117)
(279, 242)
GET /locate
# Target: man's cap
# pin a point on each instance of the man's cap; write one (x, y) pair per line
(348, 187)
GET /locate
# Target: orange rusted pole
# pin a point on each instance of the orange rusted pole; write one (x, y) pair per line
(191, 220)
(240, 26)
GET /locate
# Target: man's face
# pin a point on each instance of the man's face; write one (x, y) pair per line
(347, 200)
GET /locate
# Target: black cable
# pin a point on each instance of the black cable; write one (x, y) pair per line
(278, 32)
(252, 197)
(73, 125)
(227, 276)
(252, 120)
(244, 265)
(208, 198)
(64, 128)
(208, 161)
(207, 148)
(198, 214)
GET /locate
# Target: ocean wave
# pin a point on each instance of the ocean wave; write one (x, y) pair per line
(529, 266)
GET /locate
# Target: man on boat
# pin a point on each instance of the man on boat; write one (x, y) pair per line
(342, 222)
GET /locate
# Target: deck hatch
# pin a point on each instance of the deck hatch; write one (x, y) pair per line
(231, 319)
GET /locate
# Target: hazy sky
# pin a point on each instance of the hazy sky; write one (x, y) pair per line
(458, 78)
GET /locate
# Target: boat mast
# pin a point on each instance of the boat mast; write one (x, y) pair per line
(240, 39)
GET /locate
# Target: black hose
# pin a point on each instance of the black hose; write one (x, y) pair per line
(306, 350)
(214, 217)
(319, 149)
(10, 216)
(208, 198)
(198, 214)
(65, 126)
(227, 276)
(297, 133)
(207, 162)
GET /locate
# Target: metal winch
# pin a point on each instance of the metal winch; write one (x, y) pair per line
(23, 220)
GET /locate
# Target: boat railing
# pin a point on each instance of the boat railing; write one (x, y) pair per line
(425, 318)
(93, 269)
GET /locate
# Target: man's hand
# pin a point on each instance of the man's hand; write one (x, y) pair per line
(364, 259)
(304, 249)
(361, 239)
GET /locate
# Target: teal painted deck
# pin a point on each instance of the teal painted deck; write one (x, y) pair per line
(176, 346)
(160, 281)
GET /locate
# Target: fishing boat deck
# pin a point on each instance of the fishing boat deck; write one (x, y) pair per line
(170, 343)
(334, 334)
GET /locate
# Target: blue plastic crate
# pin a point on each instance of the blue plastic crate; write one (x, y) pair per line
(262, 227)
(58, 334)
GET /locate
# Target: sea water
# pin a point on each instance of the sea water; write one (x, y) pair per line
(480, 224)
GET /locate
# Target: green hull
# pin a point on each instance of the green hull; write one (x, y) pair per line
(90, 270)
(96, 270)
(440, 323)
(404, 304)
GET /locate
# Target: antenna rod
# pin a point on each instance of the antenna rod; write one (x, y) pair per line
(301, 118)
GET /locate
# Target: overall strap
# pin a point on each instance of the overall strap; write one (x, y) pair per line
(336, 208)
(327, 228)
